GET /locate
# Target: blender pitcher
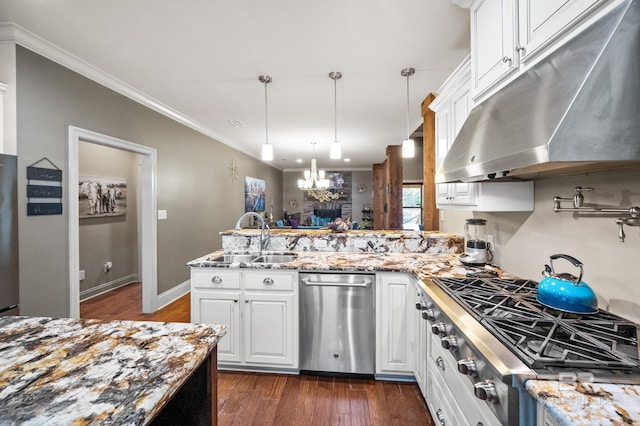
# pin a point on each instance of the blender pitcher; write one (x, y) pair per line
(477, 250)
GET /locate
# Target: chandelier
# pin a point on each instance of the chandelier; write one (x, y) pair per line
(315, 182)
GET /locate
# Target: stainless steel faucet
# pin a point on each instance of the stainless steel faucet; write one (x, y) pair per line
(263, 242)
(632, 213)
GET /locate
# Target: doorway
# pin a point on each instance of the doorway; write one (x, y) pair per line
(146, 216)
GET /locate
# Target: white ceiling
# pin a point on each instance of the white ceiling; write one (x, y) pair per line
(202, 58)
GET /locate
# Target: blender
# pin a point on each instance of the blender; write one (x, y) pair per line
(477, 250)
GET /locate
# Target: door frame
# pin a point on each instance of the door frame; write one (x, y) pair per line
(146, 215)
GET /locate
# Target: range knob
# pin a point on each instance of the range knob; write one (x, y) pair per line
(486, 391)
(450, 342)
(439, 328)
(467, 366)
(421, 306)
(429, 315)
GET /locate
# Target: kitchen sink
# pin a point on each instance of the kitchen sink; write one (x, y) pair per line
(234, 258)
(275, 258)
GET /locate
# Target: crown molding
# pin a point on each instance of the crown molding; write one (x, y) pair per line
(466, 4)
(14, 33)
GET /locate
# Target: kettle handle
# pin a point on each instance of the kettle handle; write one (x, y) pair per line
(575, 262)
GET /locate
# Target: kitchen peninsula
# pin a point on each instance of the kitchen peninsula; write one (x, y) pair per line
(225, 285)
(71, 371)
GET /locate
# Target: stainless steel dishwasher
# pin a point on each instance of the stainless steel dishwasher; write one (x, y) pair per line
(337, 323)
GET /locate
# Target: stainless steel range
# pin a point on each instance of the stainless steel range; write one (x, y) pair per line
(495, 333)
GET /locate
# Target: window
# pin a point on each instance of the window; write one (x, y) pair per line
(411, 206)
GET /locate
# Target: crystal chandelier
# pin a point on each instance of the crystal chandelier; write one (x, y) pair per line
(315, 182)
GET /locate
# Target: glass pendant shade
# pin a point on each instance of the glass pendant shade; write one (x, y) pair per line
(408, 148)
(335, 150)
(267, 152)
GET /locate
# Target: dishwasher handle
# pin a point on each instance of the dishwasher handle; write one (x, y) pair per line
(364, 283)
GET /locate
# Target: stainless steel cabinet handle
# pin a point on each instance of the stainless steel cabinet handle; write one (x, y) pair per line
(246, 300)
(440, 416)
(506, 59)
(235, 300)
(268, 281)
(520, 49)
(217, 279)
(440, 363)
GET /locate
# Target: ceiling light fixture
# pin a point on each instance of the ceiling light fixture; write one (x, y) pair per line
(335, 151)
(408, 145)
(267, 148)
(315, 183)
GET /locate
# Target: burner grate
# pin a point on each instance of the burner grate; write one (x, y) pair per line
(541, 336)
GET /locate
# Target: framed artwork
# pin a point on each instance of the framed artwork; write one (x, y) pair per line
(254, 190)
(102, 196)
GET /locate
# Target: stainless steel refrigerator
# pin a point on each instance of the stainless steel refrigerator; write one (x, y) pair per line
(8, 235)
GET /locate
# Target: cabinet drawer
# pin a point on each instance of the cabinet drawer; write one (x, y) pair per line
(268, 280)
(215, 278)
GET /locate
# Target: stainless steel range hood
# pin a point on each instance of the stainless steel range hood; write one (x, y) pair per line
(577, 110)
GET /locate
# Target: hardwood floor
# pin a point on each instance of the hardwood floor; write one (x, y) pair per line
(275, 399)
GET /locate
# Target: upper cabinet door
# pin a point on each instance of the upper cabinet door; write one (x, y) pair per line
(493, 34)
(542, 21)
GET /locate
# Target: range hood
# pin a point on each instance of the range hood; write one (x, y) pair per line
(576, 110)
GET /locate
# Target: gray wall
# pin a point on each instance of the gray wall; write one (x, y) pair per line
(524, 241)
(108, 239)
(194, 185)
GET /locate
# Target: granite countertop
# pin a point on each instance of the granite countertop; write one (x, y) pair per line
(588, 404)
(92, 371)
(423, 265)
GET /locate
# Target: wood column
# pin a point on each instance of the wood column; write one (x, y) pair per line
(379, 195)
(431, 215)
(394, 187)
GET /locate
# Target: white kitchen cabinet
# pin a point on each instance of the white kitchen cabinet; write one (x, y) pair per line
(508, 34)
(271, 318)
(452, 107)
(545, 418)
(259, 309)
(395, 323)
(541, 21)
(493, 38)
(221, 307)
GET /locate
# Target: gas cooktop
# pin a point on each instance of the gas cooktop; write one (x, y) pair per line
(542, 337)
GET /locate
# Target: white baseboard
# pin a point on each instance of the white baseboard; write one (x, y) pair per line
(108, 286)
(173, 294)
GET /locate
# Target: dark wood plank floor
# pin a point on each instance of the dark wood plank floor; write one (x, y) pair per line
(275, 399)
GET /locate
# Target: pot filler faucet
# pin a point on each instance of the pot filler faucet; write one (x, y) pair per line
(632, 214)
(263, 242)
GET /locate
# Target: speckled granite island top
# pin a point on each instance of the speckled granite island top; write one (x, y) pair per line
(69, 371)
(598, 404)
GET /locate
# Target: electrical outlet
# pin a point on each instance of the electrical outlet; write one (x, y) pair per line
(81, 275)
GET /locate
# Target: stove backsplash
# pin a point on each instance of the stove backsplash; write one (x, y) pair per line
(524, 241)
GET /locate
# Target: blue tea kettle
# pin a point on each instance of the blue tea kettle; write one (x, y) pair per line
(564, 291)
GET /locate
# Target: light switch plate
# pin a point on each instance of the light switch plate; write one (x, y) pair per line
(162, 214)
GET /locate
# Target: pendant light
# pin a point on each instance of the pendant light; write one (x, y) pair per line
(267, 148)
(408, 145)
(335, 151)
